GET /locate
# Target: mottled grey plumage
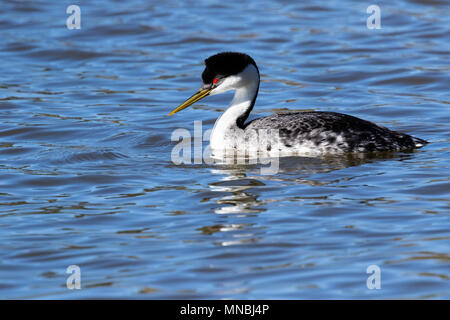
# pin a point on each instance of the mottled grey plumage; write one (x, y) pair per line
(334, 132)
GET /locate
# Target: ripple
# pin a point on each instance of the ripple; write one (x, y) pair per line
(92, 156)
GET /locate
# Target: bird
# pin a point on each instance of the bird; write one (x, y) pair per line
(283, 134)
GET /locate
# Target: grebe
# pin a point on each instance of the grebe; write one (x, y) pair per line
(296, 133)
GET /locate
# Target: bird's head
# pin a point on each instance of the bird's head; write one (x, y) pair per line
(223, 72)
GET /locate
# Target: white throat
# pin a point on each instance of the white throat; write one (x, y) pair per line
(246, 85)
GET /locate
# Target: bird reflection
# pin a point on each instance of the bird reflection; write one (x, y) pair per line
(240, 198)
(239, 188)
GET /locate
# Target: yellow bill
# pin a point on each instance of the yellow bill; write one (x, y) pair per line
(196, 97)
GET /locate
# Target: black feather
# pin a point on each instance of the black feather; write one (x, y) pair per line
(225, 64)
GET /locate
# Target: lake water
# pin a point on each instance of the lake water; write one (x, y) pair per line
(86, 176)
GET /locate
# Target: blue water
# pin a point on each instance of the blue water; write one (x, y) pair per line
(86, 176)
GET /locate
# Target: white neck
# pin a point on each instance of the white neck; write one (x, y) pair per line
(246, 85)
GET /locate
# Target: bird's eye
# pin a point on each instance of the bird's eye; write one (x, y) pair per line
(215, 81)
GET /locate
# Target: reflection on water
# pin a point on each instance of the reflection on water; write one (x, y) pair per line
(238, 185)
(293, 168)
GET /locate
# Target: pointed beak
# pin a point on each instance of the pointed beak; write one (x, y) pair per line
(203, 92)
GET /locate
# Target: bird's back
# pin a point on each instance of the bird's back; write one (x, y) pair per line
(333, 132)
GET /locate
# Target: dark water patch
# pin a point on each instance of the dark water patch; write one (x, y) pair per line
(92, 156)
(66, 54)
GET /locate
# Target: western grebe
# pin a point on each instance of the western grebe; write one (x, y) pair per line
(296, 133)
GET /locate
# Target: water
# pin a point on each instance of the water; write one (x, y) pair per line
(86, 176)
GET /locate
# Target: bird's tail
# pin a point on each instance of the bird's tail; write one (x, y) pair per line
(419, 142)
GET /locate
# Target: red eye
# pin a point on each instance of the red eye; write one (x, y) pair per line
(215, 80)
